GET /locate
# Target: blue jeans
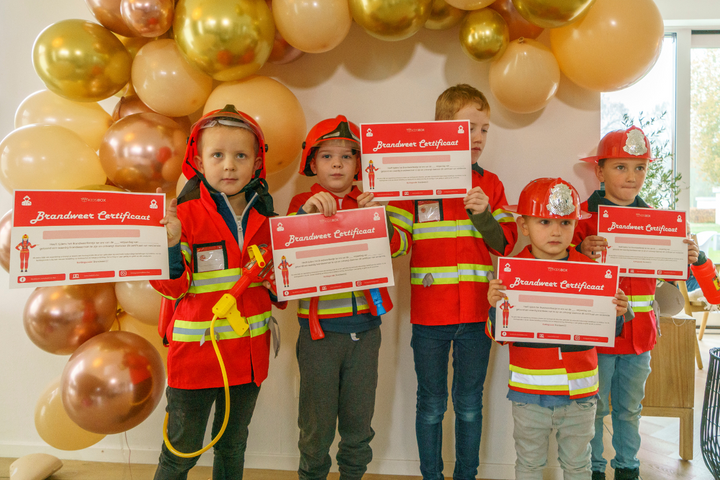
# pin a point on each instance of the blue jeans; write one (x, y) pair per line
(623, 378)
(471, 351)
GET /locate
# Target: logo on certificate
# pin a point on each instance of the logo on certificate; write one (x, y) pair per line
(507, 268)
(153, 204)
(369, 133)
(461, 129)
(26, 201)
(280, 227)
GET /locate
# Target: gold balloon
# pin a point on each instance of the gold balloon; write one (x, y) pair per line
(107, 12)
(5, 250)
(391, 19)
(275, 108)
(81, 61)
(228, 39)
(47, 157)
(552, 13)
(54, 425)
(313, 26)
(612, 47)
(128, 323)
(166, 82)
(443, 16)
(149, 18)
(103, 188)
(470, 4)
(526, 77)
(88, 119)
(140, 300)
(144, 151)
(484, 34)
(60, 319)
(134, 44)
(112, 382)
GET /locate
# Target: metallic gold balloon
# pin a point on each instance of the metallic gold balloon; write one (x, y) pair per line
(55, 427)
(228, 39)
(552, 13)
(134, 44)
(518, 26)
(5, 250)
(88, 119)
(470, 4)
(148, 18)
(484, 34)
(81, 61)
(107, 12)
(112, 382)
(144, 151)
(60, 319)
(443, 15)
(391, 19)
(140, 300)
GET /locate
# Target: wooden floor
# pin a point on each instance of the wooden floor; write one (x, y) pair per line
(658, 455)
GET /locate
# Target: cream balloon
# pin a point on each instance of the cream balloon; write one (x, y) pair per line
(313, 26)
(87, 119)
(612, 47)
(166, 82)
(47, 157)
(526, 77)
(54, 425)
(140, 300)
(274, 107)
(5, 250)
(470, 4)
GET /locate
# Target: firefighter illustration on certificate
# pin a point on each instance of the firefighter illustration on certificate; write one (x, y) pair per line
(371, 169)
(284, 267)
(24, 246)
(505, 307)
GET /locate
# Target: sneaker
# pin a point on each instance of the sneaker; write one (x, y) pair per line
(598, 475)
(627, 473)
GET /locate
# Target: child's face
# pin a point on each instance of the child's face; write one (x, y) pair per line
(550, 237)
(479, 125)
(227, 158)
(335, 165)
(623, 177)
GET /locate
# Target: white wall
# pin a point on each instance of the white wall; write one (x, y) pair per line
(368, 80)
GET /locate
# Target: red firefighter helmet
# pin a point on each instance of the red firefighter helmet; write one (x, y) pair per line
(630, 143)
(549, 198)
(228, 116)
(338, 128)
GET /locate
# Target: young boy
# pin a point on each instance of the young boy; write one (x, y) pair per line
(551, 386)
(338, 373)
(222, 210)
(621, 165)
(451, 241)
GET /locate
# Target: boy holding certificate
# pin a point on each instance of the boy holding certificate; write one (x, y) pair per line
(451, 241)
(564, 400)
(339, 340)
(621, 165)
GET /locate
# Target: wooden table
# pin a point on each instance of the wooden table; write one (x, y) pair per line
(670, 388)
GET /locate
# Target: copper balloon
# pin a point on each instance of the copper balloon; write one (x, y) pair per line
(144, 151)
(129, 105)
(112, 382)
(128, 323)
(107, 12)
(55, 427)
(484, 34)
(140, 300)
(60, 319)
(81, 60)
(552, 13)
(443, 15)
(283, 52)
(517, 25)
(148, 18)
(391, 19)
(228, 39)
(5, 250)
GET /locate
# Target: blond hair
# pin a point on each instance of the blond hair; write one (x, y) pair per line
(456, 98)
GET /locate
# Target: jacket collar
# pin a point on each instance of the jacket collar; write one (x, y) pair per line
(478, 169)
(598, 198)
(354, 191)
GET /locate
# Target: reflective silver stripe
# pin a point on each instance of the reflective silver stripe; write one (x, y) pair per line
(215, 281)
(437, 274)
(539, 380)
(419, 230)
(186, 248)
(360, 300)
(254, 326)
(467, 227)
(583, 383)
(400, 219)
(502, 215)
(480, 273)
(201, 331)
(641, 304)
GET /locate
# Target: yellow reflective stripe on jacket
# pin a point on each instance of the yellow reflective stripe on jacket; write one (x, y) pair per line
(641, 303)
(184, 331)
(336, 304)
(400, 218)
(554, 380)
(445, 229)
(463, 272)
(215, 281)
(583, 382)
(174, 299)
(186, 251)
(501, 215)
(465, 228)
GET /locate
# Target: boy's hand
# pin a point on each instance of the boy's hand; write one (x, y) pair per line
(693, 250)
(365, 200)
(476, 201)
(269, 282)
(321, 202)
(173, 228)
(593, 246)
(621, 302)
(495, 292)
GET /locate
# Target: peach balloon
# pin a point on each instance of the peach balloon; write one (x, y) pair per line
(107, 12)
(144, 151)
(112, 382)
(517, 25)
(5, 247)
(55, 427)
(612, 47)
(87, 119)
(526, 77)
(166, 82)
(483, 34)
(274, 107)
(149, 18)
(60, 319)
(470, 4)
(128, 323)
(47, 157)
(140, 300)
(313, 26)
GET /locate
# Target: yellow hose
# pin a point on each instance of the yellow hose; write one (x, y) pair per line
(227, 405)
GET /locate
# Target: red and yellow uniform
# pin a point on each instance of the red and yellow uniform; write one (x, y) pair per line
(24, 246)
